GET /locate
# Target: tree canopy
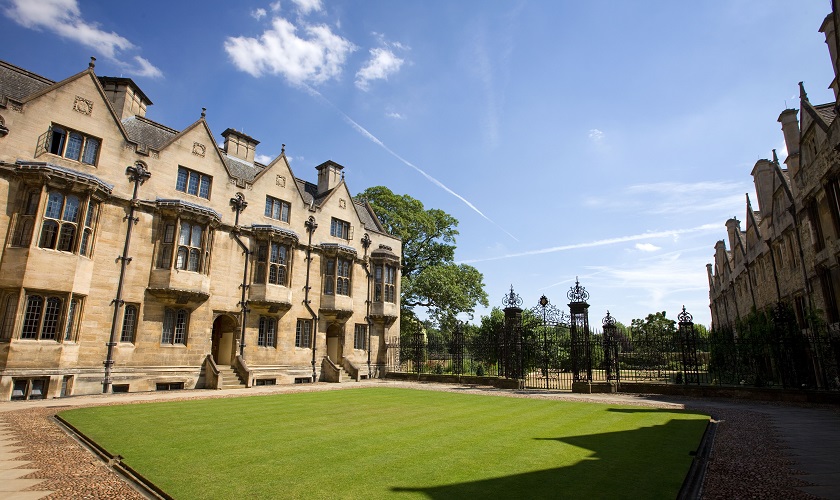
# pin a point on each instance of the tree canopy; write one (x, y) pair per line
(430, 276)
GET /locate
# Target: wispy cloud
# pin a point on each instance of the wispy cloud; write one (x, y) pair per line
(381, 64)
(647, 247)
(307, 6)
(64, 18)
(394, 115)
(258, 14)
(596, 136)
(145, 68)
(599, 243)
(675, 198)
(316, 57)
(422, 172)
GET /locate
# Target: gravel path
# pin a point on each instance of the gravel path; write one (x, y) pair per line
(747, 459)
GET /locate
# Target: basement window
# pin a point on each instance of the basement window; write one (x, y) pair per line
(169, 386)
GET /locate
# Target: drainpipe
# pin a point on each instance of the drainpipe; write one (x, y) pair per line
(366, 244)
(311, 226)
(239, 204)
(138, 175)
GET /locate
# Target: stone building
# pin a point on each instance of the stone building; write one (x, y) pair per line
(789, 248)
(138, 257)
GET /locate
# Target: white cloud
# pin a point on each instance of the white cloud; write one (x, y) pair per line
(144, 68)
(259, 14)
(264, 159)
(275, 6)
(647, 247)
(382, 63)
(395, 115)
(280, 51)
(596, 135)
(64, 18)
(307, 6)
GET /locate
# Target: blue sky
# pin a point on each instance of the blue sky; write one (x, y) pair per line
(608, 140)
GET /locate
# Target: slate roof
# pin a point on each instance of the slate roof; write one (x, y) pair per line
(145, 131)
(17, 83)
(826, 112)
(366, 216)
(241, 169)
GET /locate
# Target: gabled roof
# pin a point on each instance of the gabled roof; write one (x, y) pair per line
(145, 131)
(17, 83)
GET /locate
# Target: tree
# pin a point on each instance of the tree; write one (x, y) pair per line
(653, 339)
(430, 277)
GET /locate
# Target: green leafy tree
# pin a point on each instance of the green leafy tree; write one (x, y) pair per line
(430, 277)
(654, 337)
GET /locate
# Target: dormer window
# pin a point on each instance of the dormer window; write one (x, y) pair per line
(277, 209)
(194, 183)
(340, 229)
(72, 145)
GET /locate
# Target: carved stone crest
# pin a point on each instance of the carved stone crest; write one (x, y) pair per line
(199, 149)
(83, 106)
(281, 181)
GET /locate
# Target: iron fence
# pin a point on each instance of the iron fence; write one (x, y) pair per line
(544, 357)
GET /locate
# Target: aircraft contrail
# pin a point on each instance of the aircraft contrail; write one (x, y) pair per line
(381, 144)
(599, 243)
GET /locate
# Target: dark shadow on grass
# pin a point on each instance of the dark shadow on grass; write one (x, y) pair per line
(638, 463)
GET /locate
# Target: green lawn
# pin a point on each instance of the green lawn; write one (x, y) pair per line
(384, 442)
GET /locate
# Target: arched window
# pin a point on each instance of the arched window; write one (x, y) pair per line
(189, 247)
(272, 264)
(61, 219)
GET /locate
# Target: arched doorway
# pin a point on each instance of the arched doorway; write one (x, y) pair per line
(335, 341)
(224, 339)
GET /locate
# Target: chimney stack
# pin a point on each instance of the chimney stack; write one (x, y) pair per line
(239, 145)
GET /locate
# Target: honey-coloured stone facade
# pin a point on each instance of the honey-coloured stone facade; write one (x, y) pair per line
(82, 310)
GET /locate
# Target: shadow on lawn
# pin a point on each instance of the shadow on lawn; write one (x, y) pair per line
(637, 463)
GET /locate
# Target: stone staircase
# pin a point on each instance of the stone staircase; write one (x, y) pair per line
(230, 378)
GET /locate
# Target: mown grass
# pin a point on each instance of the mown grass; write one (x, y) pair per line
(387, 442)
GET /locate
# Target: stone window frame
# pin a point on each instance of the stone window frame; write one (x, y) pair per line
(267, 332)
(180, 252)
(273, 268)
(360, 336)
(338, 275)
(130, 319)
(193, 182)
(71, 234)
(303, 333)
(385, 282)
(341, 229)
(175, 328)
(50, 316)
(8, 314)
(72, 144)
(277, 209)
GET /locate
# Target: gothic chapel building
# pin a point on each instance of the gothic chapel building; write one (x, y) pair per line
(137, 257)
